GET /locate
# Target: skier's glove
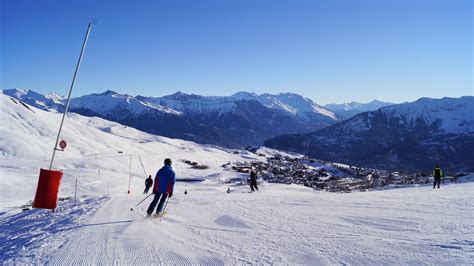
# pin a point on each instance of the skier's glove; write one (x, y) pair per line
(170, 194)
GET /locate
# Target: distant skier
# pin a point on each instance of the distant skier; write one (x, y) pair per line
(148, 184)
(253, 180)
(437, 174)
(163, 188)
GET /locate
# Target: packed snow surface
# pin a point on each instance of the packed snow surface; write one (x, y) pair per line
(280, 224)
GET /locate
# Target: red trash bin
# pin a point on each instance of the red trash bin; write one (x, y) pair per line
(47, 190)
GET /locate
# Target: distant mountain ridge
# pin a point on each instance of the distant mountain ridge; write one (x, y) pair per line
(238, 120)
(348, 110)
(410, 136)
(48, 102)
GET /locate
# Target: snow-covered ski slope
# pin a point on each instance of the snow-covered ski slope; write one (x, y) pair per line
(98, 154)
(281, 224)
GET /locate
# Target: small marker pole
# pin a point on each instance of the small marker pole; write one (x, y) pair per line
(130, 174)
(75, 191)
(186, 187)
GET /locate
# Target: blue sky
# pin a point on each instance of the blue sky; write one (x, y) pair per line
(330, 51)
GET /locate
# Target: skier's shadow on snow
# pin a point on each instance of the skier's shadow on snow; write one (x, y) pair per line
(106, 223)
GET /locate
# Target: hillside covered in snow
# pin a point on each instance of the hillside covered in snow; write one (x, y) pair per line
(98, 153)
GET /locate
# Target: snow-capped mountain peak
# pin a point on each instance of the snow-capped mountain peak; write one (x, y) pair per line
(179, 95)
(55, 97)
(108, 92)
(244, 95)
(49, 101)
(290, 103)
(408, 136)
(451, 115)
(347, 110)
(111, 102)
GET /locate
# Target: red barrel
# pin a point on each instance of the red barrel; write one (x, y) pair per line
(47, 191)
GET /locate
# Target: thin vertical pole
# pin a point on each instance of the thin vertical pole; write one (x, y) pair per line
(70, 91)
(143, 167)
(75, 191)
(130, 174)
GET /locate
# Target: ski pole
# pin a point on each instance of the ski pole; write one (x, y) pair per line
(141, 201)
(166, 204)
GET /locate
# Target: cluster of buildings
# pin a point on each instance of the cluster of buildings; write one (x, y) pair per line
(195, 165)
(327, 176)
(288, 170)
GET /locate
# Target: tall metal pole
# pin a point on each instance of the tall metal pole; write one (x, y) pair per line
(70, 91)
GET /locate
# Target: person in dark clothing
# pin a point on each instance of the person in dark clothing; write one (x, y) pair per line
(163, 188)
(253, 180)
(148, 184)
(437, 174)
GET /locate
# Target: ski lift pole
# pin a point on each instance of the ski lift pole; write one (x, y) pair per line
(70, 91)
(143, 167)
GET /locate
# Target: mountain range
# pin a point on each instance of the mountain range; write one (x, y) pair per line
(347, 110)
(236, 121)
(409, 136)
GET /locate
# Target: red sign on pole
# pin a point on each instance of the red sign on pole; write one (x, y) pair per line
(63, 144)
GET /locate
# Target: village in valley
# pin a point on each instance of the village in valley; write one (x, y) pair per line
(328, 176)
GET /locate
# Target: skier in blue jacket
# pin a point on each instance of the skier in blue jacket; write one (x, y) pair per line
(163, 187)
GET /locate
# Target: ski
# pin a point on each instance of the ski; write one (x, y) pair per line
(157, 216)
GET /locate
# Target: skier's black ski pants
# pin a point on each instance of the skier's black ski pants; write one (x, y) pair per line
(253, 186)
(436, 180)
(146, 189)
(157, 197)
